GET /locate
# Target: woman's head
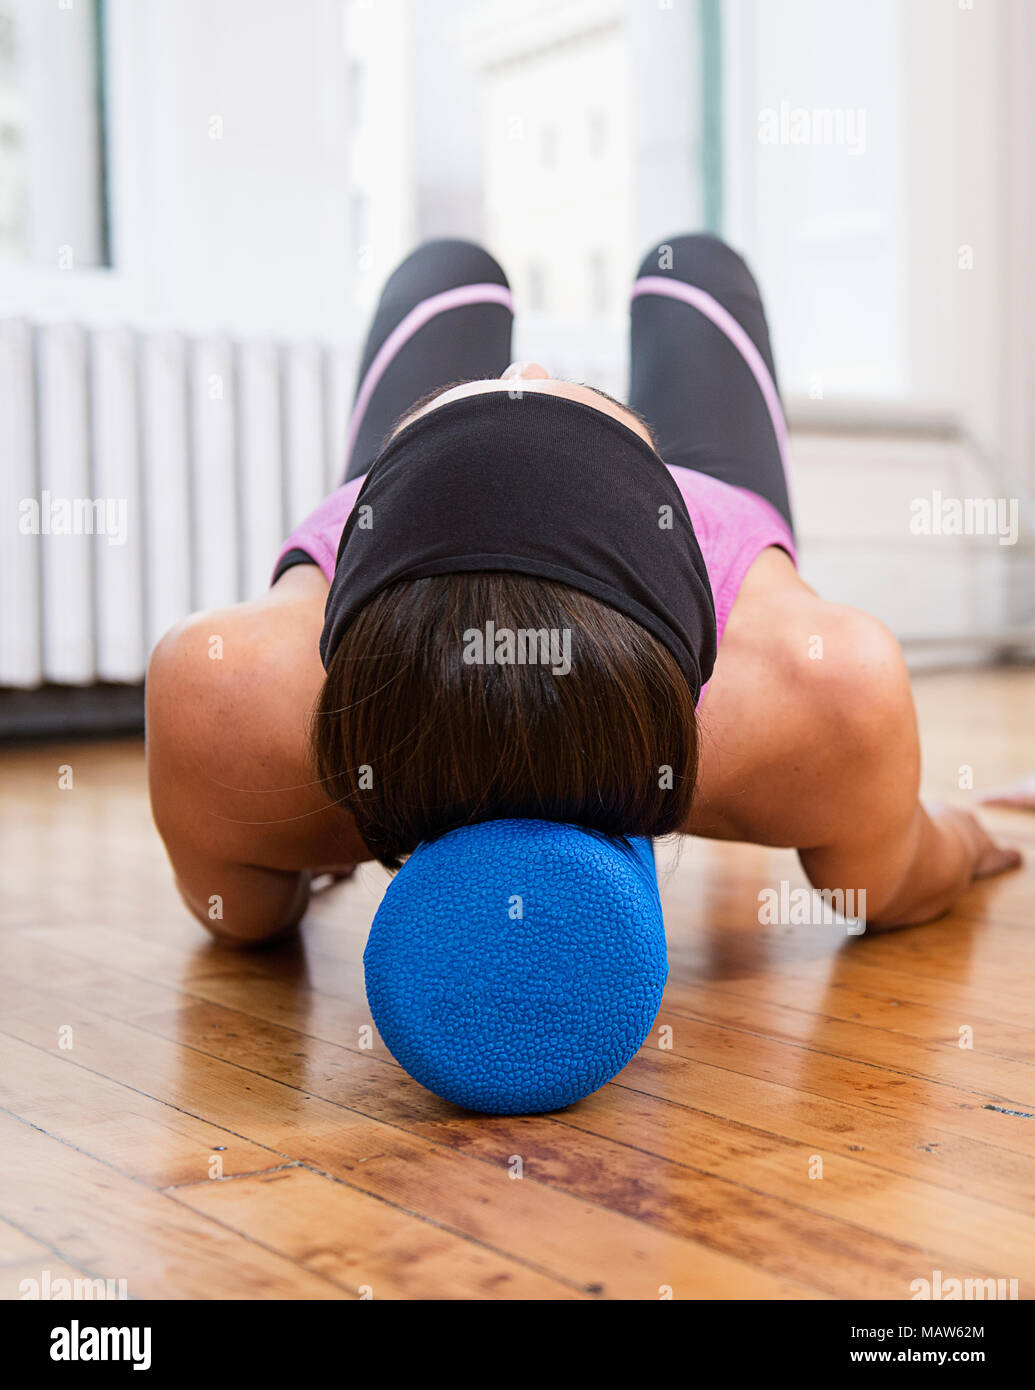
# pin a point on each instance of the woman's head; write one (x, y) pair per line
(522, 377)
(467, 697)
(519, 625)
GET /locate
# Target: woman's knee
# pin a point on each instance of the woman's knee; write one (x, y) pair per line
(701, 259)
(445, 263)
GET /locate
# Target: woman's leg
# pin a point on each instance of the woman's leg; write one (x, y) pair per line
(444, 315)
(702, 367)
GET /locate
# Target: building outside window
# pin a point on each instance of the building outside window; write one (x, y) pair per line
(53, 185)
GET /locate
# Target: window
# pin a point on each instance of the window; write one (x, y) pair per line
(597, 134)
(360, 223)
(536, 288)
(574, 140)
(357, 94)
(548, 147)
(53, 198)
(599, 292)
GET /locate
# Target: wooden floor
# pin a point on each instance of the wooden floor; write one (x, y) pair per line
(138, 1062)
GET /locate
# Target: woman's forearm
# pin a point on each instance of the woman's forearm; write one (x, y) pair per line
(905, 874)
(940, 870)
(917, 874)
(242, 905)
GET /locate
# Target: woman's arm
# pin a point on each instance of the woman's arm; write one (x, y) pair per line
(911, 864)
(233, 797)
(240, 904)
(935, 861)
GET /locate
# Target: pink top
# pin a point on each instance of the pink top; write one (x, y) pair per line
(733, 527)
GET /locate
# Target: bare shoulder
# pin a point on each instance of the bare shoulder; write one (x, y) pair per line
(817, 660)
(210, 687)
(229, 693)
(849, 668)
(221, 664)
(811, 715)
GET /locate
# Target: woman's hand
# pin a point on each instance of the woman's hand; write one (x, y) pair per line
(984, 855)
(320, 880)
(1020, 795)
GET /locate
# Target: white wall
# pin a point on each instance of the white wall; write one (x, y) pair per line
(55, 64)
(229, 172)
(558, 203)
(823, 225)
(382, 155)
(863, 252)
(858, 253)
(900, 284)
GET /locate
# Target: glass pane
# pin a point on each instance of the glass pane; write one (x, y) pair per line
(567, 137)
(53, 206)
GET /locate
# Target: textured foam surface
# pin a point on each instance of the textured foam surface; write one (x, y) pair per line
(517, 965)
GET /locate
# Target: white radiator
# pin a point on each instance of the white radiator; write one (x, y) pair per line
(144, 475)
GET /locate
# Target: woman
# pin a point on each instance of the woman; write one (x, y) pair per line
(512, 606)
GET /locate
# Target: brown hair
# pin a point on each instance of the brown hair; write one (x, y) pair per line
(416, 737)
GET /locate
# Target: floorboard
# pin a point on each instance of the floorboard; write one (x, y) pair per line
(802, 1123)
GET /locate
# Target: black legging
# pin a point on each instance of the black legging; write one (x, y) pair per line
(701, 366)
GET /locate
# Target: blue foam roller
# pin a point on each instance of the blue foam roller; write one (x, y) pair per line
(517, 965)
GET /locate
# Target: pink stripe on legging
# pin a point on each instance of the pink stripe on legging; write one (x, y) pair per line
(421, 314)
(726, 323)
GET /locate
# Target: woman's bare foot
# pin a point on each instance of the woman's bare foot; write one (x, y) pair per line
(1020, 795)
(323, 879)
